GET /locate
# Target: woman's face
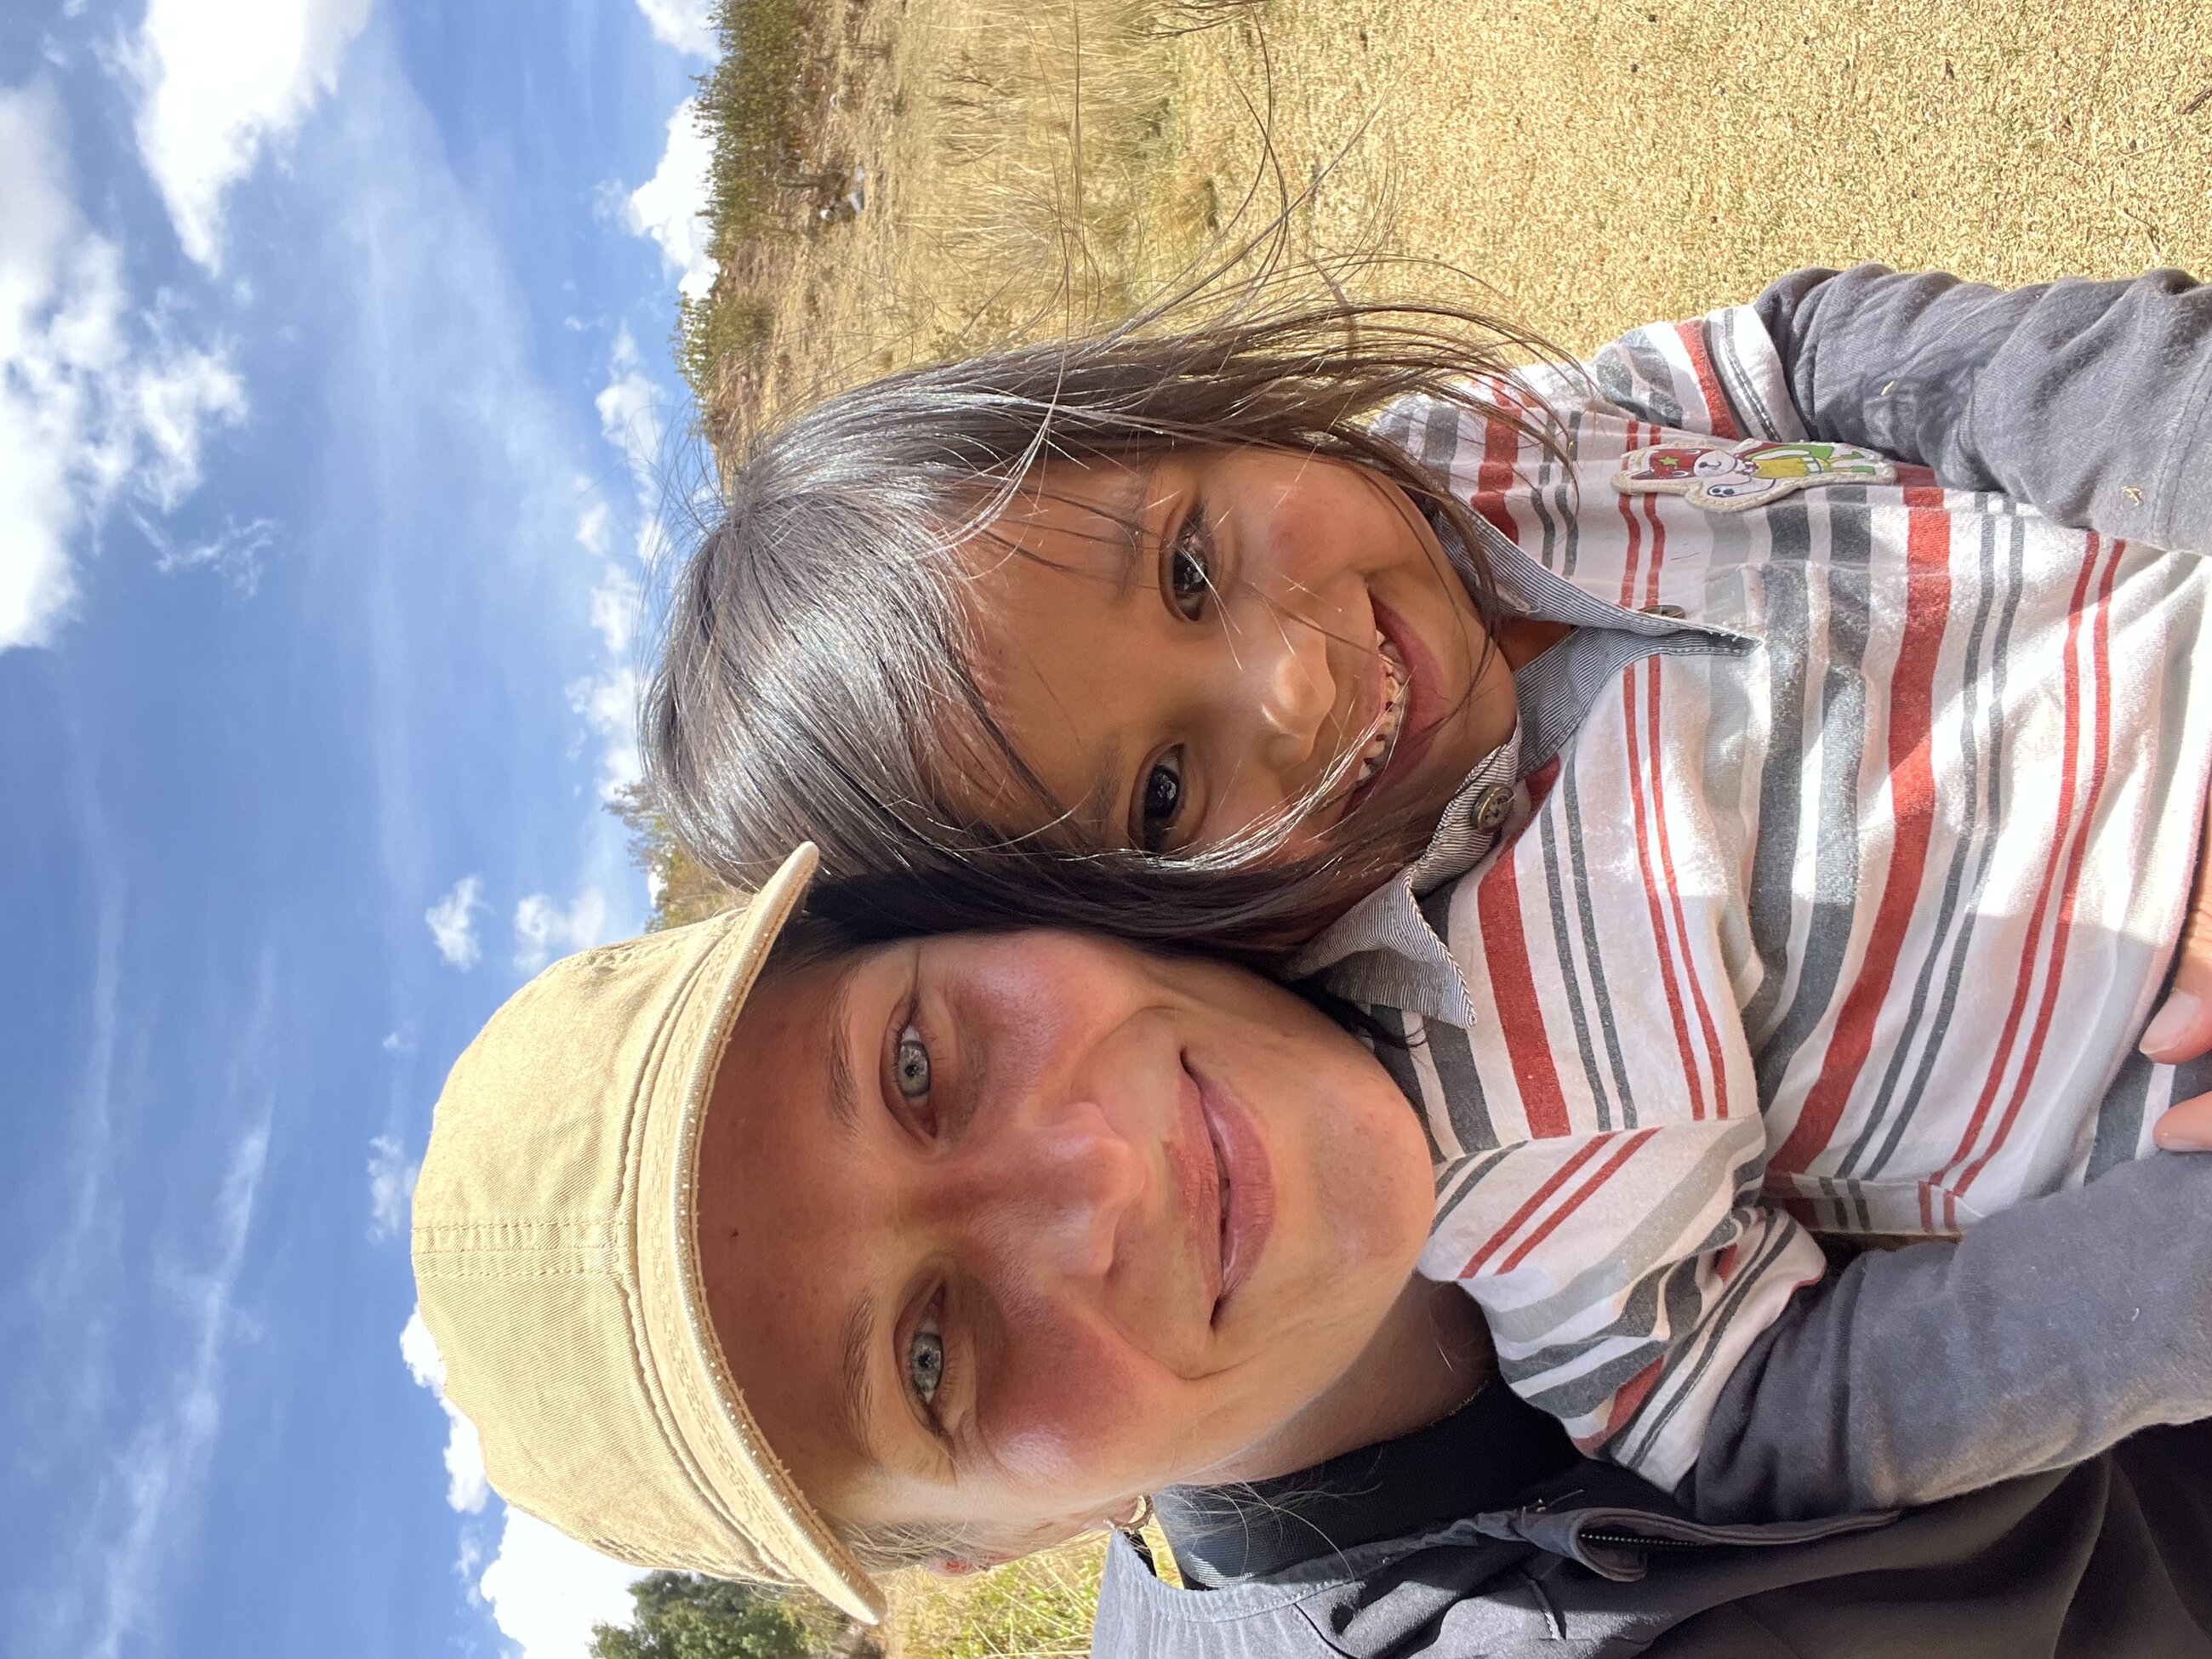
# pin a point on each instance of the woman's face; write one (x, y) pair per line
(1182, 647)
(1003, 1229)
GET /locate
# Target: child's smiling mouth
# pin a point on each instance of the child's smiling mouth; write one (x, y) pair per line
(1393, 714)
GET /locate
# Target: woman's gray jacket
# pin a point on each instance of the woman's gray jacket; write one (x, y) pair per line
(2111, 1559)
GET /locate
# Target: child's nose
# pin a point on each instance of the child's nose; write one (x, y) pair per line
(1292, 691)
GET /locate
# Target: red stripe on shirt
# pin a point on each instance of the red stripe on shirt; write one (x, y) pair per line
(1717, 409)
(1715, 1065)
(2070, 760)
(1533, 1202)
(1627, 1401)
(1538, 786)
(1634, 548)
(1637, 783)
(2100, 754)
(1912, 809)
(1513, 993)
(1493, 478)
(1661, 943)
(1577, 1198)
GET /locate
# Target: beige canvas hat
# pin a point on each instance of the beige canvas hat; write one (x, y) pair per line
(556, 1259)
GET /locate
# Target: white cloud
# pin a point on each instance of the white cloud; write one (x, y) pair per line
(666, 207)
(94, 403)
(544, 931)
(466, 1488)
(591, 530)
(629, 416)
(629, 420)
(685, 25)
(159, 1473)
(547, 1591)
(453, 923)
(397, 1042)
(608, 703)
(222, 78)
(233, 555)
(391, 1184)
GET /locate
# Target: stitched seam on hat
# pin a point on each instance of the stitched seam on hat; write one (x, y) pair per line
(519, 1229)
(794, 1511)
(641, 1089)
(685, 1457)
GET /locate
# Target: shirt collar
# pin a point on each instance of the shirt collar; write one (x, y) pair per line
(1384, 949)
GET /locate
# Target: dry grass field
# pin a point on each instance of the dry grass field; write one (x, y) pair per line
(1595, 162)
(1024, 164)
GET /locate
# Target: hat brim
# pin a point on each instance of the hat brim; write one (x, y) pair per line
(731, 1461)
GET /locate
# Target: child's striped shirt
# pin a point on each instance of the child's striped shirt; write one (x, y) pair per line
(1847, 846)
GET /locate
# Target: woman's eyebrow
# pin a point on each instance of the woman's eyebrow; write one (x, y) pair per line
(837, 1062)
(859, 1376)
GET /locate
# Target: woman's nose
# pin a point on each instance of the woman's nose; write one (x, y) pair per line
(1058, 1192)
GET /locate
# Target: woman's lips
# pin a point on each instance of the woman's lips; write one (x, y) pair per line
(1247, 1185)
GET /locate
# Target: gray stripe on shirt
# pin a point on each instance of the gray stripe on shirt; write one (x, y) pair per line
(1842, 721)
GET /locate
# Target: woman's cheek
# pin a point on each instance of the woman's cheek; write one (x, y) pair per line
(1078, 1408)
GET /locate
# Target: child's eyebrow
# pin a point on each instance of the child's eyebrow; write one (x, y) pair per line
(1103, 805)
(1129, 512)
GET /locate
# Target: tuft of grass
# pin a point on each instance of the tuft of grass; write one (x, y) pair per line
(754, 103)
(1048, 152)
(1038, 1607)
(980, 170)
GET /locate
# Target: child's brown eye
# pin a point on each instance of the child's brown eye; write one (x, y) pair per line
(1189, 576)
(1163, 802)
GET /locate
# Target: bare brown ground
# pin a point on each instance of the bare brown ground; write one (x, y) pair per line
(1598, 162)
(1606, 161)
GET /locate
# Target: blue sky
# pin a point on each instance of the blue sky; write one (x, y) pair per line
(336, 425)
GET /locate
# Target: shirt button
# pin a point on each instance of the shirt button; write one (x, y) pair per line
(1671, 612)
(1491, 805)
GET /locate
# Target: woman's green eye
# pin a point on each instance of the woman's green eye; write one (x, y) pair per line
(924, 1360)
(910, 1067)
(1163, 801)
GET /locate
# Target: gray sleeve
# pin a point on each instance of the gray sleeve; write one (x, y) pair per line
(2046, 1334)
(2092, 400)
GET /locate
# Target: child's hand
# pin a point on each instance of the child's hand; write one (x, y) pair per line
(2182, 1028)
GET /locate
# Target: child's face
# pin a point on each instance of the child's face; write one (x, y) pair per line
(1272, 614)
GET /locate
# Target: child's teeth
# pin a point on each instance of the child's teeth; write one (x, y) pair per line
(1393, 711)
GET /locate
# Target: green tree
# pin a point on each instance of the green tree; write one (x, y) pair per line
(683, 892)
(681, 1615)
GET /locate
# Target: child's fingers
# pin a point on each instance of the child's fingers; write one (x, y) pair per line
(2187, 1127)
(2182, 1028)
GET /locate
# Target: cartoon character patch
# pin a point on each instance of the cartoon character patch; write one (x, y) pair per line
(1729, 478)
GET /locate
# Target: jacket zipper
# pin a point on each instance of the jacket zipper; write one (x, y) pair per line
(1634, 1542)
